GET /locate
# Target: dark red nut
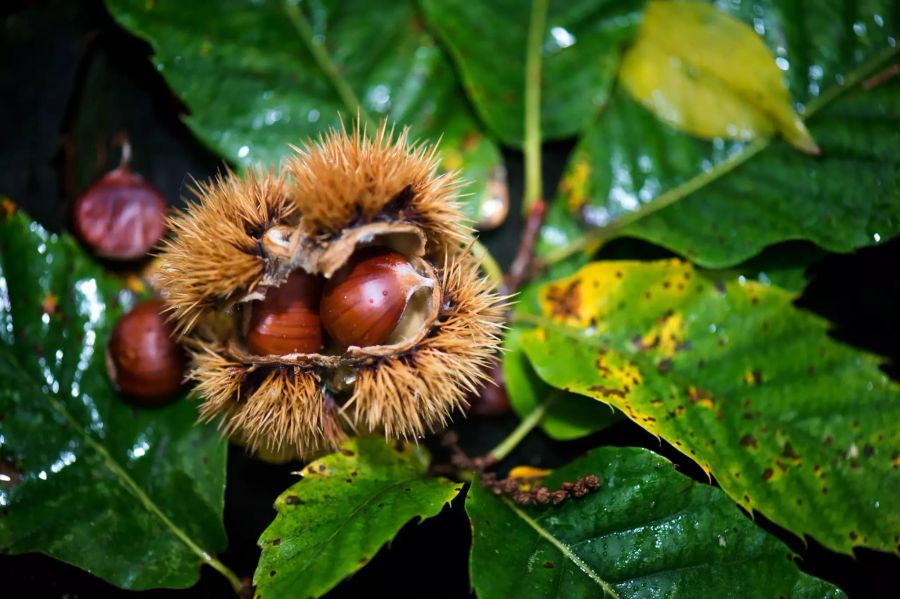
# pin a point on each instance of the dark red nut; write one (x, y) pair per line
(121, 216)
(142, 358)
(287, 320)
(365, 299)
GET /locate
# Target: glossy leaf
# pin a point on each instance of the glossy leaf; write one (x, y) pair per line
(131, 495)
(252, 85)
(347, 506)
(720, 202)
(580, 51)
(790, 423)
(569, 416)
(646, 532)
(707, 73)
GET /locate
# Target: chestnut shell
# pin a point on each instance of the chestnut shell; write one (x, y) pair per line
(143, 360)
(120, 216)
(364, 300)
(287, 320)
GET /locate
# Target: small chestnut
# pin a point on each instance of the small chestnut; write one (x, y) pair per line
(365, 299)
(142, 358)
(287, 321)
(121, 216)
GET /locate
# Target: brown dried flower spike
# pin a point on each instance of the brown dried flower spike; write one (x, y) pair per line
(407, 322)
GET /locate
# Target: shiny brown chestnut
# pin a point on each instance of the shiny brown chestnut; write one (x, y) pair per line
(287, 320)
(365, 299)
(142, 358)
(121, 216)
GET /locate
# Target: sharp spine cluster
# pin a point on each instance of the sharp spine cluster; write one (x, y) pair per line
(343, 193)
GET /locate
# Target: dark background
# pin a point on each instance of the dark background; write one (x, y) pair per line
(70, 80)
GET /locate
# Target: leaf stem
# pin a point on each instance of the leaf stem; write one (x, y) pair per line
(326, 65)
(534, 184)
(488, 264)
(526, 425)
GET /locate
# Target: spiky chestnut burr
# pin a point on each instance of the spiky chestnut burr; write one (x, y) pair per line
(338, 201)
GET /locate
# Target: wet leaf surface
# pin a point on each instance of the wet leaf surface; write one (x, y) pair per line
(253, 86)
(789, 422)
(720, 202)
(349, 504)
(580, 51)
(682, 65)
(569, 416)
(133, 496)
(646, 532)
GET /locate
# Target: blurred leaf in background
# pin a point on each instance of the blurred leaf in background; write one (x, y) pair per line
(720, 202)
(580, 50)
(257, 76)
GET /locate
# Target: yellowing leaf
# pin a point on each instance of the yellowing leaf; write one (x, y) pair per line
(707, 73)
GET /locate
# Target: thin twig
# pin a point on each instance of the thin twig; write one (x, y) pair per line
(521, 269)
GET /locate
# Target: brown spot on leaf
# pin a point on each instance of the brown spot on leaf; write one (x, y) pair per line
(749, 441)
(565, 303)
(548, 564)
(789, 452)
(346, 452)
(767, 474)
(293, 500)
(607, 392)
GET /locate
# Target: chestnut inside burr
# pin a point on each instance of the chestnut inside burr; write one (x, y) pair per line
(378, 302)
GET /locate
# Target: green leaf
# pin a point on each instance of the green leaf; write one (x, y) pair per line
(248, 73)
(348, 505)
(682, 68)
(569, 416)
(580, 54)
(646, 532)
(720, 202)
(133, 496)
(791, 423)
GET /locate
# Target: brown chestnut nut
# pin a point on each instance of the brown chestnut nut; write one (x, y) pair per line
(120, 216)
(142, 358)
(287, 321)
(365, 299)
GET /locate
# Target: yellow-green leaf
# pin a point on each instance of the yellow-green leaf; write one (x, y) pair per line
(682, 68)
(790, 423)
